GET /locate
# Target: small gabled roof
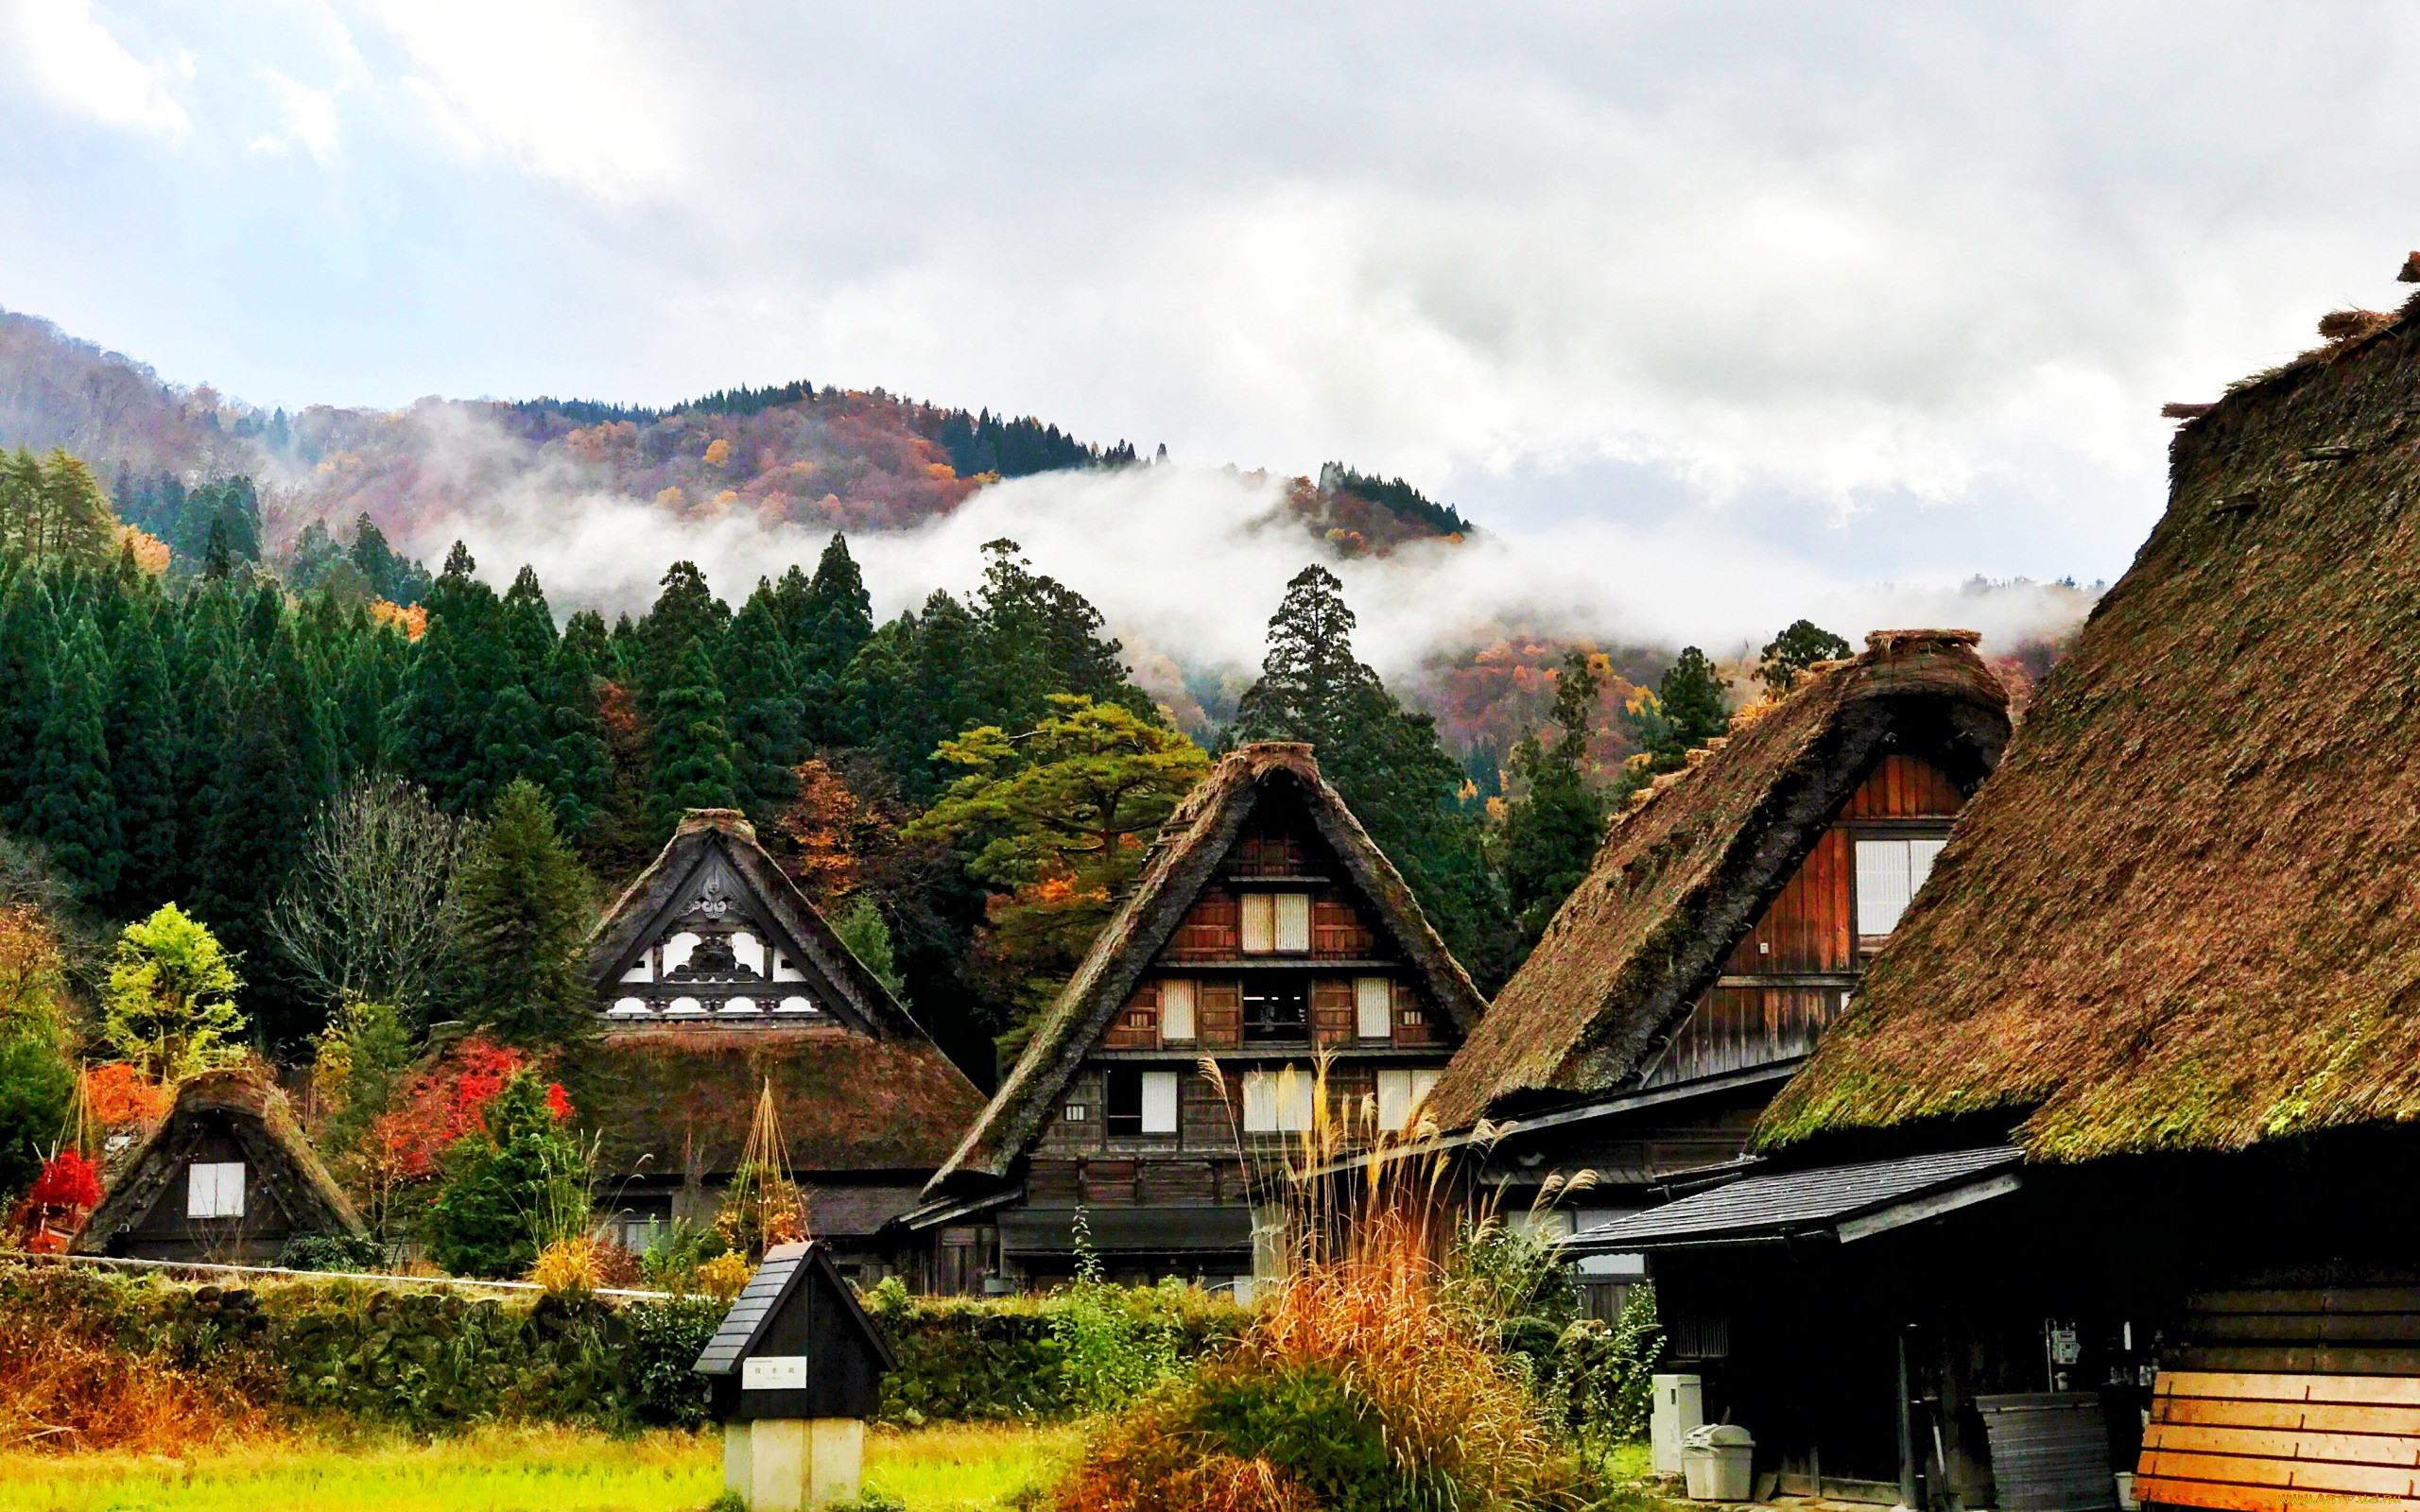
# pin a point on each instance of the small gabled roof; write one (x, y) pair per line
(1183, 860)
(2182, 916)
(1840, 1202)
(1687, 871)
(785, 1269)
(274, 1145)
(712, 841)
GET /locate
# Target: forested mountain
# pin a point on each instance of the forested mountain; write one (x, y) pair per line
(794, 454)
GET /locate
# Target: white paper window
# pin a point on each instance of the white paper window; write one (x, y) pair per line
(1400, 1094)
(1293, 921)
(1159, 1102)
(1260, 923)
(215, 1189)
(1374, 1002)
(1175, 1008)
(1278, 1102)
(1889, 873)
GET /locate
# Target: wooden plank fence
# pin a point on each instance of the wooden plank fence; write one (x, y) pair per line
(2240, 1442)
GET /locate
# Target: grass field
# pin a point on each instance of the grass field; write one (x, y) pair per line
(951, 1469)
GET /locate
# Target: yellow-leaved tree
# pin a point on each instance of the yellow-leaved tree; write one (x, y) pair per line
(169, 1008)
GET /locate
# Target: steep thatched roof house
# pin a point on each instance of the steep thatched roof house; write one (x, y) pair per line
(1724, 925)
(1266, 926)
(227, 1177)
(715, 976)
(2130, 1097)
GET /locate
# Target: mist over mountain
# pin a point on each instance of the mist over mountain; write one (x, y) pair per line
(1185, 561)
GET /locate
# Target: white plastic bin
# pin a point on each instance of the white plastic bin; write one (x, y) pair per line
(1717, 1463)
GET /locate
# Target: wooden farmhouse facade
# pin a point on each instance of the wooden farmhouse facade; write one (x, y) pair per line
(2104, 1169)
(715, 978)
(227, 1177)
(1267, 929)
(1721, 930)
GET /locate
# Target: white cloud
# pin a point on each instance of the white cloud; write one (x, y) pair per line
(79, 65)
(577, 93)
(306, 118)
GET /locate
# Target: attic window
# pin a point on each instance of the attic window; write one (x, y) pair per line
(1175, 1008)
(1280, 1102)
(1889, 873)
(1277, 924)
(215, 1189)
(1141, 1102)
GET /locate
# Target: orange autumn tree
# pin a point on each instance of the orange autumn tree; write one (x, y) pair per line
(1055, 822)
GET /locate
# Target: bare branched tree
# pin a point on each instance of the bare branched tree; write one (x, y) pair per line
(363, 912)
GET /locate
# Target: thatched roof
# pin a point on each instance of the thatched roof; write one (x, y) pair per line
(710, 836)
(1184, 858)
(279, 1155)
(849, 1102)
(2181, 916)
(1685, 872)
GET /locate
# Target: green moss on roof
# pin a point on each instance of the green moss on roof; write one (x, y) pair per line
(2182, 915)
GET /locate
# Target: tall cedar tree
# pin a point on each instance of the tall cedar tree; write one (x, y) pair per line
(569, 688)
(692, 743)
(28, 637)
(69, 806)
(257, 806)
(1386, 762)
(759, 680)
(520, 910)
(826, 621)
(146, 737)
(1551, 833)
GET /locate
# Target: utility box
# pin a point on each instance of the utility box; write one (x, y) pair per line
(1680, 1407)
(794, 1371)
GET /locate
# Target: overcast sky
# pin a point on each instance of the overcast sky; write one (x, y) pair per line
(1874, 292)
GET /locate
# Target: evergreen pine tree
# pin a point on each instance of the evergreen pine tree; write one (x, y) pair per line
(257, 808)
(1384, 761)
(520, 910)
(692, 743)
(146, 741)
(1691, 699)
(758, 677)
(687, 610)
(28, 641)
(826, 622)
(1791, 652)
(69, 806)
(568, 691)
(1039, 638)
(1551, 832)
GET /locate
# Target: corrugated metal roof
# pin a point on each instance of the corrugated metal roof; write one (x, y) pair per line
(748, 1313)
(1795, 1201)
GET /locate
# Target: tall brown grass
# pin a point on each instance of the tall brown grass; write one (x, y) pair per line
(63, 1391)
(1366, 1319)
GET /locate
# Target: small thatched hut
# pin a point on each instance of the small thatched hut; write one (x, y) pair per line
(1267, 928)
(227, 1177)
(2121, 1126)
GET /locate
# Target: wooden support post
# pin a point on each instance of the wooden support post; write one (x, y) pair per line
(1907, 1429)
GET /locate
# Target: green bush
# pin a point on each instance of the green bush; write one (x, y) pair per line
(504, 1189)
(336, 1252)
(1008, 1357)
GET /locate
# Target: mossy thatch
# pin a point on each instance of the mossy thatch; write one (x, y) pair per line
(685, 1094)
(2180, 918)
(1190, 845)
(1685, 873)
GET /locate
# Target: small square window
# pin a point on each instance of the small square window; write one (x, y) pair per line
(1076, 1112)
(215, 1189)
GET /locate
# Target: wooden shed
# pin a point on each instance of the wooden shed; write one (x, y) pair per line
(228, 1176)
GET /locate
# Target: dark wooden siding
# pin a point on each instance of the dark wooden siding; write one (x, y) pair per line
(1213, 928)
(1905, 787)
(1136, 1025)
(1332, 1010)
(1736, 1028)
(1218, 1013)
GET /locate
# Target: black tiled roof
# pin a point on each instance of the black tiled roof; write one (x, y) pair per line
(1791, 1202)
